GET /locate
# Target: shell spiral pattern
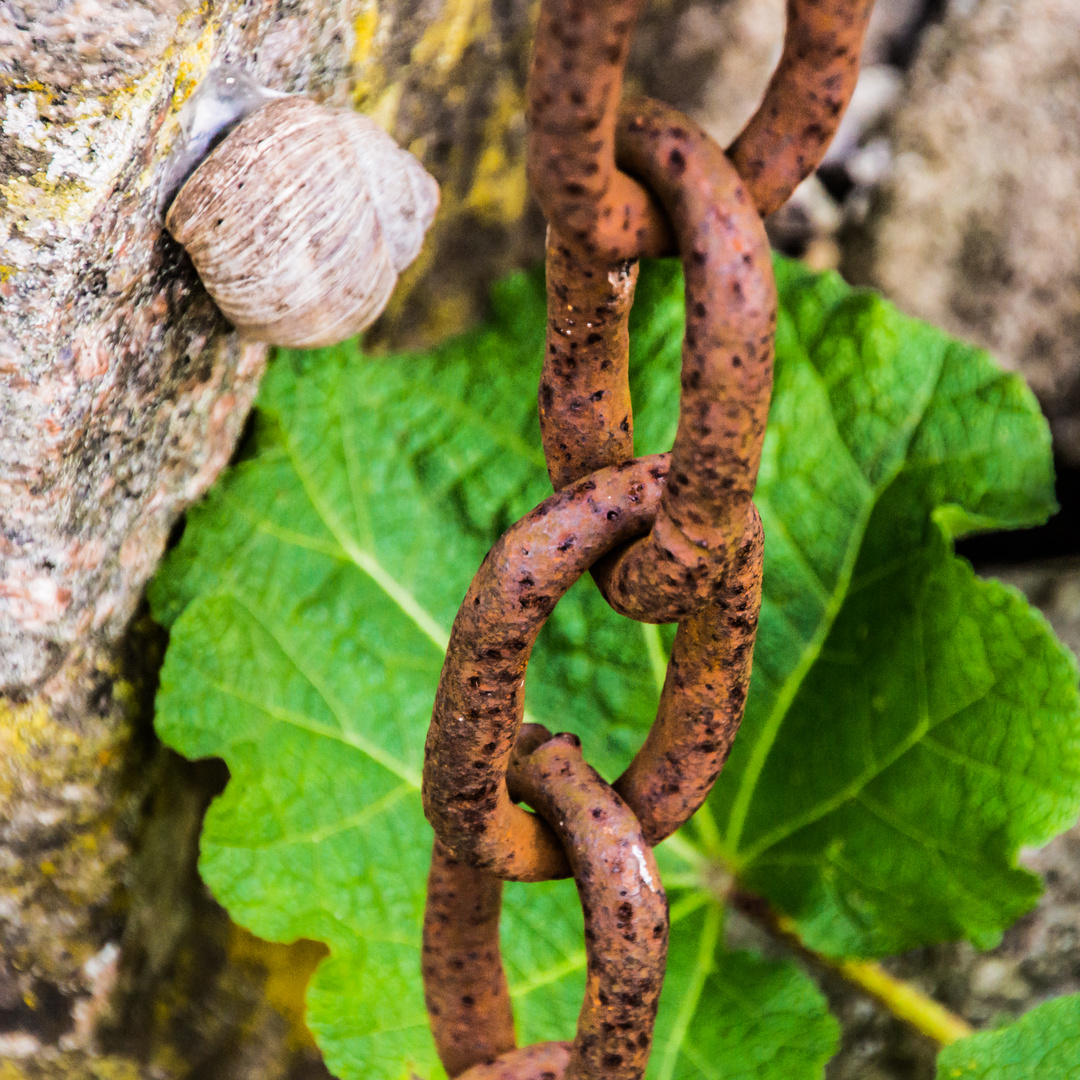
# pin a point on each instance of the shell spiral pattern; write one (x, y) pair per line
(301, 219)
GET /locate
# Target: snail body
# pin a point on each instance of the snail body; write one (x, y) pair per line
(300, 220)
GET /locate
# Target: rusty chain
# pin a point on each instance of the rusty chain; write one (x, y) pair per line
(669, 538)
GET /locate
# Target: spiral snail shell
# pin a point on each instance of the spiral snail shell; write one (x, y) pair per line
(301, 219)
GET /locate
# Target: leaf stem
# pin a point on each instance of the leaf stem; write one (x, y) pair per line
(905, 1001)
(902, 999)
(710, 937)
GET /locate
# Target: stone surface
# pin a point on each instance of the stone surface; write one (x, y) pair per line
(714, 57)
(976, 228)
(72, 779)
(123, 390)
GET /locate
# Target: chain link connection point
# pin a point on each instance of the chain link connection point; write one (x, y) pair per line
(670, 538)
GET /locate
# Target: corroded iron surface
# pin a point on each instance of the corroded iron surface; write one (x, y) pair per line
(586, 419)
(574, 90)
(626, 928)
(787, 137)
(542, 1061)
(726, 368)
(675, 537)
(702, 702)
(465, 987)
(626, 912)
(481, 698)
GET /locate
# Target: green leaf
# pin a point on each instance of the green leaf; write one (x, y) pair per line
(1044, 1043)
(738, 1016)
(310, 598)
(909, 727)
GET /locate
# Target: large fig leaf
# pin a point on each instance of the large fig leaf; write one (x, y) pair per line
(310, 599)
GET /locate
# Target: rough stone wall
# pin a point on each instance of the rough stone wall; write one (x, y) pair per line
(976, 228)
(123, 390)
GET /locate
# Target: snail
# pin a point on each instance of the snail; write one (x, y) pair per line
(300, 217)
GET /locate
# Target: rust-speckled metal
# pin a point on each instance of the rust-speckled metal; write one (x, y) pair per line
(586, 420)
(465, 987)
(541, 1061)
(626, 919)
(701, 706)
(480, 701)
(726, 368)
(626, 910)
(479, 706)
(574, 90)
(787, 137)
(674, 537)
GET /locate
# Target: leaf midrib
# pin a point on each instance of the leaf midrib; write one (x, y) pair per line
(857, 785)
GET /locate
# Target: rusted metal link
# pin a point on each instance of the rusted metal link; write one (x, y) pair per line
(787, 137)
(674, 537)
(586, 419)
(575, 83)
(587, 422)
(465, 987)
(726, 369)
(480, 701)
(626, 911)
(479, 705)
(626, 918)
(574, 89)
(541, 1061)
(701, 706)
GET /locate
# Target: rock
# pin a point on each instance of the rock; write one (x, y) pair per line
(976, 228)
(894, 30)
(124, 390)
(736, 45)
(73, 775)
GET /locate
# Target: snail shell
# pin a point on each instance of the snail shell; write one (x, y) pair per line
(301, 219)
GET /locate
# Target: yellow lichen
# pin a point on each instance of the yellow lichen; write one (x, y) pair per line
(85, 154)
(368, 73)
(364, 27)
(500, 187)
(194, 62)
(74, 1065)
(288, 971)
(384, 110)
(27, 730)
(445, 40)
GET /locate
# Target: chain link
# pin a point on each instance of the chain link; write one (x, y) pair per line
(669, 538)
